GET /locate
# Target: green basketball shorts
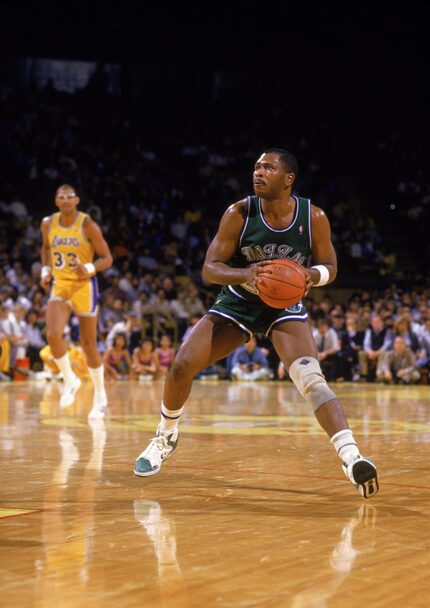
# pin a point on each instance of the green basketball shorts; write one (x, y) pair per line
(254, 317)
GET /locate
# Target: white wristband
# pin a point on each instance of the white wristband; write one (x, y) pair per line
(45, 272)
(324, 275)
(90, 268)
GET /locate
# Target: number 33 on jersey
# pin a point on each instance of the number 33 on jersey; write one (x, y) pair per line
(69, 247)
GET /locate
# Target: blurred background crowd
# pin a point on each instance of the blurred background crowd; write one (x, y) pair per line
(157, 151)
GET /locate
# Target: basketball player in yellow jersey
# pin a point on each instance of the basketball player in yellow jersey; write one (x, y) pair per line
(70, 240)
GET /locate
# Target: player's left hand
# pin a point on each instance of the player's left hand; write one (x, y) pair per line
(309, 282)
(81, 271)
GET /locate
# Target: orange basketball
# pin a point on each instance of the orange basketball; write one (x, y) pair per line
(283, 286)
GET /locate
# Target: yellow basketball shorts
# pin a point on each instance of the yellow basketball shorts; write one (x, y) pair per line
(81, 296)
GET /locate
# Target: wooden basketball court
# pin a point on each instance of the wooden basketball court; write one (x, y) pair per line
(252, 510)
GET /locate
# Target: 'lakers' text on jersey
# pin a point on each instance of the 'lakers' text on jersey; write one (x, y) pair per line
(259, 241)
(69, 247)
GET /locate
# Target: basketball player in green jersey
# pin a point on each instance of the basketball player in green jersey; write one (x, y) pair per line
(272, 224)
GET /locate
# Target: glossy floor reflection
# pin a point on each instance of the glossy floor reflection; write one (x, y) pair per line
(252, 510)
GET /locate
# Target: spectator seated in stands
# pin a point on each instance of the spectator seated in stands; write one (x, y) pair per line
(351, 342)
(377, 339)
(130, 327)
(193, 301)
(4, 357)
(144, 363)
(423, 355)
(327, 342)
(180, 311)
(117, 360)
(402, 327)
(337, 321)
(12, 330)
(51, 371)
(164, 321)
(249, 362)
(144, 311)
(35, 340)
(398, 365)
(168, 286)
(165, 355)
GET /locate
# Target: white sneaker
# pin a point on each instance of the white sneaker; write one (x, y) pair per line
(99, 406)
(362, 474)
(160, 447)
(69, 392)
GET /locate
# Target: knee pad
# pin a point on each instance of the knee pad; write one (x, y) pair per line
(306, 374)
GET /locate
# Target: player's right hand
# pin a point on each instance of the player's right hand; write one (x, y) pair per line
(254, 270)
(45, 283)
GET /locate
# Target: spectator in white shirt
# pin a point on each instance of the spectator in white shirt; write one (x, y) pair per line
(327, 342)
(377, 339)
(10, 328)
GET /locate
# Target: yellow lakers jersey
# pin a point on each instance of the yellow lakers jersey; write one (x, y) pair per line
(69, 247)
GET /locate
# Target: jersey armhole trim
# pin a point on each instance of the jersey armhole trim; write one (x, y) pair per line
(310, 223)
(51, 222)
(245, 224)
(81, 227)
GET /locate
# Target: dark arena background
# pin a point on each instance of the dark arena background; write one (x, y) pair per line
(155, 115)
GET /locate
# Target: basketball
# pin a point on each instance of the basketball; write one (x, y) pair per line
(283, 286)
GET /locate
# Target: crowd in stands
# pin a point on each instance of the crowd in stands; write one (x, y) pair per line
(158, 200)
(383, 337)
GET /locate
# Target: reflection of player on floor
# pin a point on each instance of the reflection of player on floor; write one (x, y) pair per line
(161, 529)
(355, 539)
(70, 239)
(272, 224)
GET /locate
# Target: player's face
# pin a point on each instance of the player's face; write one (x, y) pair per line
(66, 200)
(270, 178)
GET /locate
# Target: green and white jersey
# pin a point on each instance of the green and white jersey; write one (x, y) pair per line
(259, 241)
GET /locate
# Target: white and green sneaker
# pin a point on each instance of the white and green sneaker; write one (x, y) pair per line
(160, 447)
(362, 474)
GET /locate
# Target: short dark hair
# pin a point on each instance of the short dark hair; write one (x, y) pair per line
(287, 159)
(65, 186)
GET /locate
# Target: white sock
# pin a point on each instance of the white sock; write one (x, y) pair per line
(65, 367)
(169, 418)
(345, 446)
(98, 377)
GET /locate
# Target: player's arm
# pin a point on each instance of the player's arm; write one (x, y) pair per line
(222, 248)
(101, 248)
(45, 254)
(324, 269)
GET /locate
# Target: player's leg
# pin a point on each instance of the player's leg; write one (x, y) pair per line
(88, 335)
(295, 345)
(213, 338)
(57, 315)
